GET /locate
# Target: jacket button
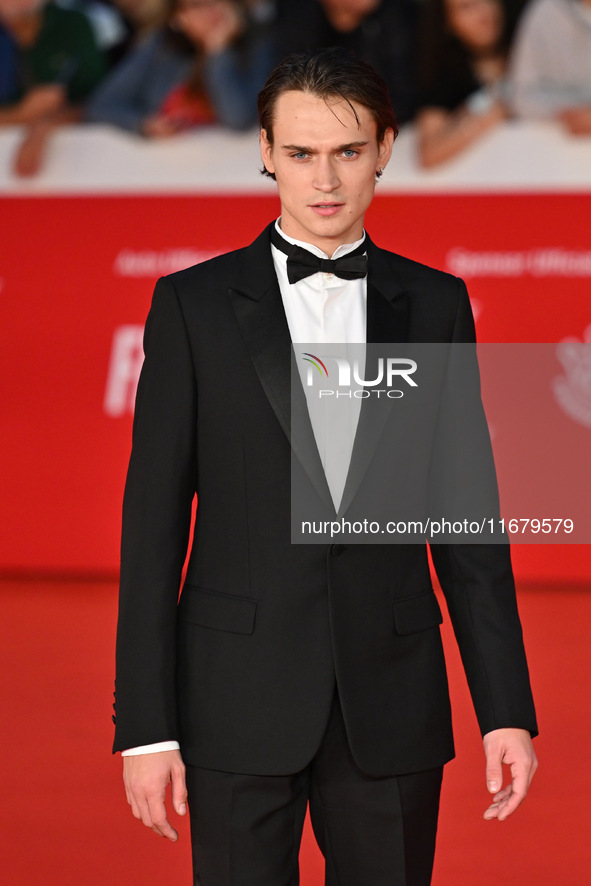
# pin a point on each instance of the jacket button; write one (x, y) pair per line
(337, 550)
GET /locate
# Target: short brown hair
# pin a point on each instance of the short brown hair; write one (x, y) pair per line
(328, 73)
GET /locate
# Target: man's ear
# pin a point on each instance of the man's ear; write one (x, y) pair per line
(267, 152)
(385, 148)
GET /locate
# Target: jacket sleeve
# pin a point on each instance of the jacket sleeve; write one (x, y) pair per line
(160, 486)
(477, 581)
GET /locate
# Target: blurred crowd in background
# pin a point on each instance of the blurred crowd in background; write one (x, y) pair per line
(457, 68)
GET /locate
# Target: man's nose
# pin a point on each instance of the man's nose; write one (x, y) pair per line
(326, 175)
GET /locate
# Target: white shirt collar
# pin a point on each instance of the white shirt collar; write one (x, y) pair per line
(343, 249)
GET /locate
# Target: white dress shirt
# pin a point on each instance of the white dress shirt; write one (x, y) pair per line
(320, 309)
(324, 310)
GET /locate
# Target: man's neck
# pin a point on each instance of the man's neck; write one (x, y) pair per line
(327, 246)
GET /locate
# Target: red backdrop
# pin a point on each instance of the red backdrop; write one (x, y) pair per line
(76, 276)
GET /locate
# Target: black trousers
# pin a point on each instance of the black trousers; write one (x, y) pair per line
(246, 829)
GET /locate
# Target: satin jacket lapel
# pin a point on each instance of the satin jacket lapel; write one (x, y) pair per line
(388, 320)
(259, 311)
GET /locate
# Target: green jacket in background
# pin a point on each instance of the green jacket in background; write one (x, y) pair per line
(64, 52)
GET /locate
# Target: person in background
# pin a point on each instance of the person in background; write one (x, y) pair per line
(383, 32)
(207, 65)
(550, 69)
(53, 62)
(120, 25)
(107, 24)
(463, 64)
(140, 18)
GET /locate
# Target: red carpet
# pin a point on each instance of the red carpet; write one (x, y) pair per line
(64, 819)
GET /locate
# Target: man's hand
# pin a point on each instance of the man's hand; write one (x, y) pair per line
(513, 748)
(146, 777)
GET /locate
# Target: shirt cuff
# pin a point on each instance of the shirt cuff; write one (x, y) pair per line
(151, 748)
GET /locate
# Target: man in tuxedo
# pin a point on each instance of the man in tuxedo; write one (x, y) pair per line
(295, 674)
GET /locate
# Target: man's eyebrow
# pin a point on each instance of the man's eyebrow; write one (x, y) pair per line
(305, 149)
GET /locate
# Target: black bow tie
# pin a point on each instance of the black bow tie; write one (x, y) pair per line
(302, 263)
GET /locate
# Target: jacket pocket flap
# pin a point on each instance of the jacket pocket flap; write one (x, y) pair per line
(417, 613)
(222, 612)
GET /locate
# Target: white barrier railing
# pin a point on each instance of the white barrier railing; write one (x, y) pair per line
(517, 156)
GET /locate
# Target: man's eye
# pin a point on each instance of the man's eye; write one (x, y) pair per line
(350, 153)
(300, 155)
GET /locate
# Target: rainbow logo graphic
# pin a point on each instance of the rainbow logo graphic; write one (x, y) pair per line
(317, 363)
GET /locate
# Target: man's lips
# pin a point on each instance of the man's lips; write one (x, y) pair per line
(326, 208)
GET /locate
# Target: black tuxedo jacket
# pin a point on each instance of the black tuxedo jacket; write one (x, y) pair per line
(242, 669)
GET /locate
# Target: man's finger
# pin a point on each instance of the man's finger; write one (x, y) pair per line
(492, 812)
(518, 793)
(134, 807)
(179, 789)
(143, 810)
(504, 804)
(494, 774)
(507, 800)
(508, 807)
(159, 822)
